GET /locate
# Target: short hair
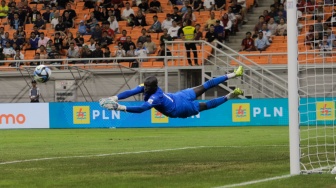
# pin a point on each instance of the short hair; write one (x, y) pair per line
(140, 42)
(248, 33)
(72, 43)
(261, 16)
(155, 16)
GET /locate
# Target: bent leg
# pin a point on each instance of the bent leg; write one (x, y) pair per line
(199, 90)
(212, 103)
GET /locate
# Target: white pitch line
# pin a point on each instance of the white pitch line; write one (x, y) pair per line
(133, 152)
(255, 181)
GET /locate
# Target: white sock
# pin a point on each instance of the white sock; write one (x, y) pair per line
(229, 96)
(231, 75)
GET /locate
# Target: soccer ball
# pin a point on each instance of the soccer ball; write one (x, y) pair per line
(42, 73)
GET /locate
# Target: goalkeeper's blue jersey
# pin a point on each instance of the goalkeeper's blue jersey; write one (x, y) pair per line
(181, 104)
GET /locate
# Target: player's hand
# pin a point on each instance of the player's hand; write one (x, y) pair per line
(111, 105)
(112, 99)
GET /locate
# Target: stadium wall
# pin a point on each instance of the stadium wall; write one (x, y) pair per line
(253, 112)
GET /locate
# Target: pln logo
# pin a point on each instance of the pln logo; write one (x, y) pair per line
(325, 110)
(241, 112)
(158, 117)
(81, 115)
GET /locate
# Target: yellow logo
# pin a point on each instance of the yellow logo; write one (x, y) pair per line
(325, 110)
(241, 112)
(158, 117)
(81, 114)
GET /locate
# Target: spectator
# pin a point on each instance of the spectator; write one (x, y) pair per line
(20, 33)
(71, 12)
(36, 63)
(60, 26)
(318, 26)
(305, 6)
(332, 20)
(280, 16)
(127, 12)
(43, 40)
(97, 13)
(123, 36)
(261, 42)
(49, 44)
(120, 52)
(259, 25)
(150, 45)
(143, 6)
(127, 43)
(86, 53)
(316, 41)
(267, 17)
(18, 41)
(78, 39)
(210, 21)
(46, 15)
(72, 53)
(91, 22)
(39, 22)
(155, 6)
(34, 93)
(176, 16)
(32, 42)
(330, 36)
(155, 27)
(211, 36)
(319, 11)
(54, 21)
(8, 50)
(282, 28)
(106, 27)
(247, 43)
(140, 52)
(68, 21)
(189, 15)
(325, 47)
(198, 5)
(173, 31)
(199, 34)
(136, 2)
(167, 23)
(42, 53)
(88, 4)
(68, 38)
(309, 35)
(165, 37)
(219, 30)
(267, 33)
(209, 5)
(36, 31)
(184, 8)
(107, 52)
(54, 54)
(105, 40)
(3, 10)
(272, 26)
(116, 12)
(143, 37)
(272, 13)
(189, 35)
(140, 19)
(97, 53)
(16, 23)
(281, 8)
(113, 24)
(163, 52)
(131, 20)
(92, 44)
(233, 19)
(237, 10)
(227, 24)
(33, 15)
(244, 9)
(220, 5)
(82, 28)
(131, 53)
(97, 32)
(53, 13)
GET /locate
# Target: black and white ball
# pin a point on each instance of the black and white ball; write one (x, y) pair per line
(42, 73)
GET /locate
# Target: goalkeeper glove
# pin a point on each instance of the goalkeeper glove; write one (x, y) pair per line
(103, 101)
(114, 106)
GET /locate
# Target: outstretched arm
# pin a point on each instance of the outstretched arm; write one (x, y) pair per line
(129, 93)
(138, 109)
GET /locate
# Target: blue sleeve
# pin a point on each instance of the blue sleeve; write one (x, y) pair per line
(138, 109)
(129, 93)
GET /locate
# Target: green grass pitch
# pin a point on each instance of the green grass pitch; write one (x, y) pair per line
(166, 157)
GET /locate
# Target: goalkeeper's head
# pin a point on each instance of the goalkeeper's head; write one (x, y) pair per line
(151, 85)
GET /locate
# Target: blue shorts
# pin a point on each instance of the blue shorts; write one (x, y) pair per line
(186, 105)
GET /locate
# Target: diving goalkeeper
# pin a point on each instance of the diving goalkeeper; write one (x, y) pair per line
(181, 104)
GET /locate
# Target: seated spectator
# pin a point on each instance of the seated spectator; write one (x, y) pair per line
(279, 17)
(92, 44)
(97, 13)
(155, 6)
(97, 53)
(173, 31)
(46, 15)
(281, 8)
(315, 43)
(43, 54)
(140, 52)
(209, 5)
(60, 26)
(91, 22)
(266, 16)
(49, 44)
(220, 5)
(16, 23)
(199, 34)
(184, 8)
(120, 52)
(210, 21)
(39, 22)
(78, 39)
(305, 6)
(237, 10)
(198, 5)
(82, 29)
(8, 50)
(53, 12)
(176, 16)
(140, 19)
(86, 53)
(261, 42)
(136, 3)
(219, 30)
(32, 42)
(272, 13)
(33, 15)
(227, 24)
(165, 37)
(72, 52)
(18, 41)
(127, 43)
(150, 45)
(123, 36)
(156, 27)
(267, 33)
(318, 26)
(211, 36)
(68, 21)
(106, 27)
(4, 9)
(97, 32)
(233, 19)
(332, 20)
(54, 54)
(36, 63)
(131, 20)
(43, 40)
(282, 28)
(105, 40)
(107, 53)
(247, 43)
(21, 33)
(131, 53)
(55, 20)
(17, 56)
(163, 52)
(67, 39)
(113, 24)
(71, 12)
(258, 26)
(127, 12)
(116, 12)
(189, 15)
(167, 23)
(325, 47)
(143, 37)
(58, 41)
(143, 6)
(319, 11)
(272, 26)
